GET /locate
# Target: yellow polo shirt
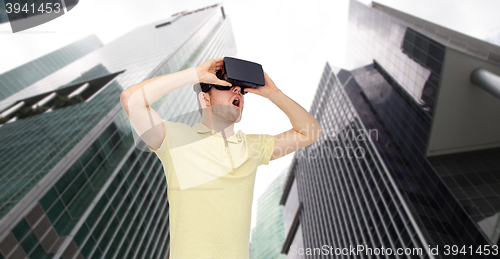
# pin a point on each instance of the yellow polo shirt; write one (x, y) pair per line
(210, 203)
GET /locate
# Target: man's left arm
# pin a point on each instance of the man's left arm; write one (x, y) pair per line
(305, 129)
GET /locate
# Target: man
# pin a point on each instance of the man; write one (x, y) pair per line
(210, 170)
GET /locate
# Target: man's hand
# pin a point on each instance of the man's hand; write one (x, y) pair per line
(207, 72)
(267, 90)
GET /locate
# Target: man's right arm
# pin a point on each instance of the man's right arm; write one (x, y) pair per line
(137, 99)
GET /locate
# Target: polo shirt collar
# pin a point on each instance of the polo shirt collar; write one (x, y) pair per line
(201, 128)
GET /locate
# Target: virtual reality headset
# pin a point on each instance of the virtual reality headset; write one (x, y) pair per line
(240, 73)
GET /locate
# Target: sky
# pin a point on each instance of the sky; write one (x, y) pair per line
(291, 39)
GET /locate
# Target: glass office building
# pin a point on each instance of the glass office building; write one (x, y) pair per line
(23, 76)
(408, 157)
(73, 184)
(268, 235)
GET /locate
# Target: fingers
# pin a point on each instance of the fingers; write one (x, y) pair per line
(225, 83)
(252, 90)
(218, 62)
(268, 78)
(214, 63)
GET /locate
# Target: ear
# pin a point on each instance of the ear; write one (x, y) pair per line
(204, 98)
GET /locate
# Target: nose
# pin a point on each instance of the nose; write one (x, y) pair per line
(237, 88)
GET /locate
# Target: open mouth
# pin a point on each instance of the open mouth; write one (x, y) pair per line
(236, 102)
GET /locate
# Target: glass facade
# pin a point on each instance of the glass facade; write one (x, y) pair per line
(293, 230)
(411, 58)
(347, 194)
(268, 236)
(367, 180)
(291, 207)
(474, 180)
(297, 244)
(97, 195)
(23, 76)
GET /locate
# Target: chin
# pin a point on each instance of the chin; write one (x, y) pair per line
(235, 120)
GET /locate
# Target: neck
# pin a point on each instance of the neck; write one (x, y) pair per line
(225, 128)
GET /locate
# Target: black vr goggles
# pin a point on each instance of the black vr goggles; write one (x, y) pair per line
(240, 73)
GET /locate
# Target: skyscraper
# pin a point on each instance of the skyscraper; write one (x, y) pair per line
(408, 157)
(73, 184)
(268, 235)
(23, 76)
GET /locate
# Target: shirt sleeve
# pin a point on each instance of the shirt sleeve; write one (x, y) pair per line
(164, 145)
(267, 149)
